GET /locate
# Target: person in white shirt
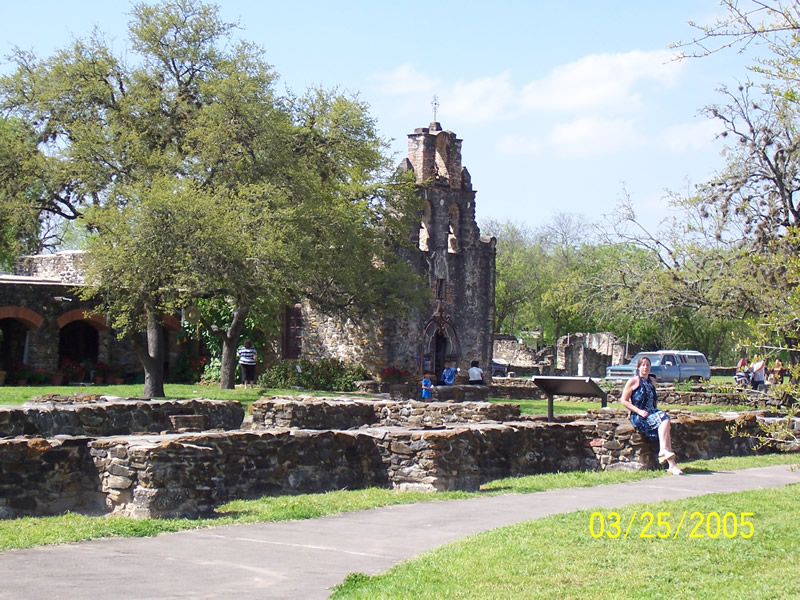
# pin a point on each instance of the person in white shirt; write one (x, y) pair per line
(247, 361)
(475, 374)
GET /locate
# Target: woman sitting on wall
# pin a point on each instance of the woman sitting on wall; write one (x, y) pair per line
(639, 397)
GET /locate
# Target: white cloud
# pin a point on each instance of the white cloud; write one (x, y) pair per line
(479, 100)
(581, 138)
(601, 81)
(593, 137)
(690, 136)
(405, 79)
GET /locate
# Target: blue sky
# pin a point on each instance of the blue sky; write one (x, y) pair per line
(560, 105)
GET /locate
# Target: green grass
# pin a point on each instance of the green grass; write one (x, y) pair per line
(16, 395)
(558, 557)
(72, 527)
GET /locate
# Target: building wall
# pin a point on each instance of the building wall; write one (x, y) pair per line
(40, 296)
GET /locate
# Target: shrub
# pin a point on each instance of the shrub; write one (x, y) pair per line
(212, 372)
(328, 374)
(101, 369)
(188, 369)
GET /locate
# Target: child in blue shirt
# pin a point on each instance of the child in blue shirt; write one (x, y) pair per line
(427, 387)
(449, 374)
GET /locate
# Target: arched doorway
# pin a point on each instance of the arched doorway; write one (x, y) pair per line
(439, 344)
(13, 343)
(78, 341)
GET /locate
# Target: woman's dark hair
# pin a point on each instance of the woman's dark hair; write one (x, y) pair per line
(474, 363)
(641, 360)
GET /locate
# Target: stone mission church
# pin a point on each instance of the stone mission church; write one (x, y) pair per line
(42, 323)
(457, 262)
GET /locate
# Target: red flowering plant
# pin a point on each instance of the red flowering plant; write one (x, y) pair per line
(101, 369)
(39, 377)
(394, 375)
(20, 372)
(72, 370)
(188, 369)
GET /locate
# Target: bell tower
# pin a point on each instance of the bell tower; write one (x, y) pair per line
(459, 264)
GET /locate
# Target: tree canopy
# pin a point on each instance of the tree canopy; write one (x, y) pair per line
(196, 180)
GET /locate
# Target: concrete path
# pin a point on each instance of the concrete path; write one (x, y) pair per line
(303, 559)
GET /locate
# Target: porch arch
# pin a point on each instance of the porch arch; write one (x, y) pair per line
(28, 317)
(82, 314)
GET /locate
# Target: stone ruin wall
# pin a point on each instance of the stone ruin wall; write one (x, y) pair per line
(522, 359)
(429, 446)
(122, 417)
(588, 354)
(525, 389)
(332, 413)
(516, 354)
(65, 267)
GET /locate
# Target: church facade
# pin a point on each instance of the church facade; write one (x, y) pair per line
(457, 263)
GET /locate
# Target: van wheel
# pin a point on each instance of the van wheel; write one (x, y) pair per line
(695, 379)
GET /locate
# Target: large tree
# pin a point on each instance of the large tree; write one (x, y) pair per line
(198, 181)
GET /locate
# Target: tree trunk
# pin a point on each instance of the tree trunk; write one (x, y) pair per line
(230, 342)
(152, 357)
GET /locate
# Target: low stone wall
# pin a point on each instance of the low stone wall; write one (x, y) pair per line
(48, 476)
(174, 475)
(118, 417)
(332, 413)
(186, 475)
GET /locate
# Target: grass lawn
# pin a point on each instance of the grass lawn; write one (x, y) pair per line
(16, 395)
(72, 527)
(560, 556)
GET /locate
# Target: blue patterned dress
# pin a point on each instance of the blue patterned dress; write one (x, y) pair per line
(644, 398)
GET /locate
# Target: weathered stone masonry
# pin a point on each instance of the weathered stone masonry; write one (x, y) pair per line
(290, 448)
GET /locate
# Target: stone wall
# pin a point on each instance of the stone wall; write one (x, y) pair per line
(122, 417)
(515, 389)
(588, 354)
(428, 446)
(330, 413)
(525, 389)
(522, 359)
(48, 476)
(516, 354)
(66, 266)
(175, 476)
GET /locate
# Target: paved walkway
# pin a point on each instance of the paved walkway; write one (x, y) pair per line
(303, 559)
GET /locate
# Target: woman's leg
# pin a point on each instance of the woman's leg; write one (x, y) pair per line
(665, 445)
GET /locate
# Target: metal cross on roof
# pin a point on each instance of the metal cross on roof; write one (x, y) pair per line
(435, 105)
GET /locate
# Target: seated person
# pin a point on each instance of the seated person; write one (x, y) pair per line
(448, 374)
(475, 374)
